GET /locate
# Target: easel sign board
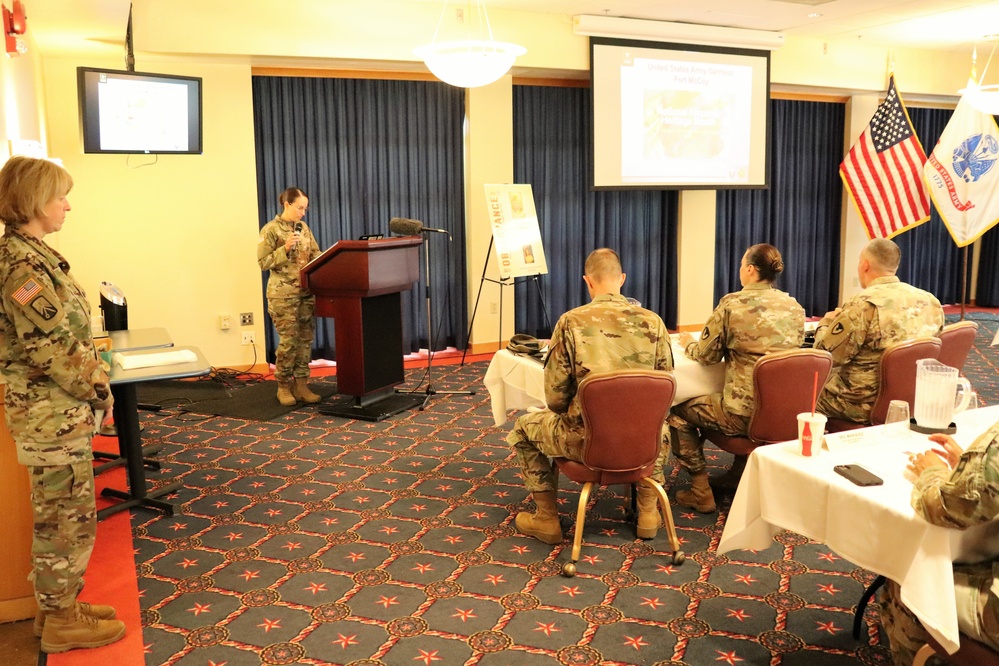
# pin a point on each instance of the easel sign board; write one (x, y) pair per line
(514, 220)
(995, 341)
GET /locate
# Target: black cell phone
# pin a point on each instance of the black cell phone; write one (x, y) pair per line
(858, 475)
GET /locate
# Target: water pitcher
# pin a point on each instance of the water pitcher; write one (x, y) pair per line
(936, 393)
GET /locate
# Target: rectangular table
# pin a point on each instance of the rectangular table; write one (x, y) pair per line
(518, 382)
(874, 527)
(126, 418)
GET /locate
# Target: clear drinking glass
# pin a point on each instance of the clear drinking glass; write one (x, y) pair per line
(897, 419)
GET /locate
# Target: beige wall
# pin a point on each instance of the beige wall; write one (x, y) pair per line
(179, 235)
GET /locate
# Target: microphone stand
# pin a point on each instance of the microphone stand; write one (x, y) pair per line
(430, 391)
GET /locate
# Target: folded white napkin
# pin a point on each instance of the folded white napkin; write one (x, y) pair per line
(131, 362)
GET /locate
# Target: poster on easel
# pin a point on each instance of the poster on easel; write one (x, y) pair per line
(516, 235)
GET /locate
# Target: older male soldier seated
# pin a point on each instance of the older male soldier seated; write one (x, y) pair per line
(887, 311)
(966, 496)
(607, 334)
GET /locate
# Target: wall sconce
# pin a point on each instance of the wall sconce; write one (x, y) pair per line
(14, 24)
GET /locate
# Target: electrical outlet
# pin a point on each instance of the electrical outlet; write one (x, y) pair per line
(459, 15)
(246, 319)
(225, 322)
(248, 337)
(494, 308)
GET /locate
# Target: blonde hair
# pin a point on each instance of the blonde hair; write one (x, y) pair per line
(27, 185)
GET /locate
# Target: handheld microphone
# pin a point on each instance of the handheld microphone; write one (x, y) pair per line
(298, 227)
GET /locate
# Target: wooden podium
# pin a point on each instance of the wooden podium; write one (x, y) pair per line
(358, 283)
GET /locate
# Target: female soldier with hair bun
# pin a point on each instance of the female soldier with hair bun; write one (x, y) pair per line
(285, 245)
(747, 324)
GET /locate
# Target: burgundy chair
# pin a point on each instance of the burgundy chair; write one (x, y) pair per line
(897, 381)
(956, 341)
(971, 653)
(623, 416)
(783, 383)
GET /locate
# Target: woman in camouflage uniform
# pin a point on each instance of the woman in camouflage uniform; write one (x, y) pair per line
(746, 325)
(959, 489)
(285, 245)
(55, 387)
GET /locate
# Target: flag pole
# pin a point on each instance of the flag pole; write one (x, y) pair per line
(964, 280)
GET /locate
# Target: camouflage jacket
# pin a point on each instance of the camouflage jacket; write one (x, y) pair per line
(967, 496)
(283, 281)
(886, 312)
(607, 334)
(47, 354)
(746, 325)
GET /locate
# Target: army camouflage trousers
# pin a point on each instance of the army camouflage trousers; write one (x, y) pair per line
(540, 436)
(295, 322)
(837, 407)
(977, 613)
(705, 411)
(65, 514)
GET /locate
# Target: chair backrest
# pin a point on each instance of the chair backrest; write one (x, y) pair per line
(623, 415)
(956, 341)
(898, 374)
(783, 383)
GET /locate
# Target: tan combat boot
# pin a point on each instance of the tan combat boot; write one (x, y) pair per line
(93, 610)
(68, 629)
(284, 395)
(300, 389)
(543, 524)
(649, 518)
(699, 497)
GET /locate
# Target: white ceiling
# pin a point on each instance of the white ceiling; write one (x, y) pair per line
(936, 24)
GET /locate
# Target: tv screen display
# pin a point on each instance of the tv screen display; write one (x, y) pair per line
(137, 112)
(679, 116)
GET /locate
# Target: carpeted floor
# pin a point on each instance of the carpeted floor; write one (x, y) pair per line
(252, 401)
(315, 540)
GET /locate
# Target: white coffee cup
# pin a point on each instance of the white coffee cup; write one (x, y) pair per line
(817, 428)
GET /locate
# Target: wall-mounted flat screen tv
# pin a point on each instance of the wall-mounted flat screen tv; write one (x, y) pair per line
(137, 112)
(679, 116)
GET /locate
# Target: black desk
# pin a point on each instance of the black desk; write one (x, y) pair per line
(126, 418)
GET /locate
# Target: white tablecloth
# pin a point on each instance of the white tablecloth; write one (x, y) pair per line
(518, 382)
(875, 527)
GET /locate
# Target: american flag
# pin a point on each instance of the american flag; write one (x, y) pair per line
(883, 172)
(27, 291)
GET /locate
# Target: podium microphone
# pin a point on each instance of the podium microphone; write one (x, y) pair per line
(406, 227)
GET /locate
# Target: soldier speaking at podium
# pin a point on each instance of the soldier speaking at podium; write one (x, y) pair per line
(285, 245)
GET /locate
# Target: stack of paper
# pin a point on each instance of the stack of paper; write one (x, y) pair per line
(173, 357)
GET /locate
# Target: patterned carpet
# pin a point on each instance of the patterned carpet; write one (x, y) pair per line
(317, 540)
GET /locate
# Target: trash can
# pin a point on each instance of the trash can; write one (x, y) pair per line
(113, 307)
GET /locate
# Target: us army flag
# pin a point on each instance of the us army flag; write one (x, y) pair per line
(960, 173)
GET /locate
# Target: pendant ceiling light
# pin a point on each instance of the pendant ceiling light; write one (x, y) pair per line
(477, 59)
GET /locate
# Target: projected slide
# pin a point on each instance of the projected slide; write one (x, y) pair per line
(678, 116)
(143, 113)
(684, 121)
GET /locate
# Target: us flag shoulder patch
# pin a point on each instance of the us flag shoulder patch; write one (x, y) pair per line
(27, 291)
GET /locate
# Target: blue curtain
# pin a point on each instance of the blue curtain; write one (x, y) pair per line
(987, 292)
(365, 151)
(551, 152)
(930, 259)
(799, 214)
